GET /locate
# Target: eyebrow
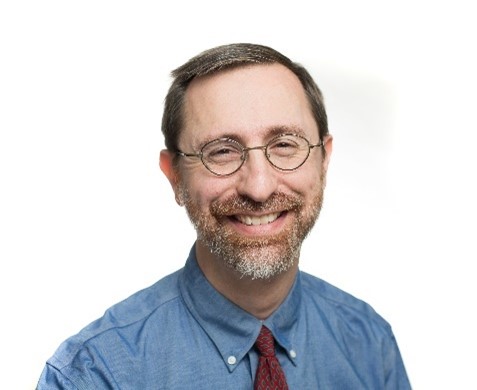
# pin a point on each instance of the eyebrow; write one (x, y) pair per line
(291, 129)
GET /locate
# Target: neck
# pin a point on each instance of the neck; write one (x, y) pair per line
(258, 297)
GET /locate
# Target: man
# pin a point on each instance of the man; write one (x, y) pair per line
(247, 153)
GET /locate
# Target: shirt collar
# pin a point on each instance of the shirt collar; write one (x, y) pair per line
(232, 329)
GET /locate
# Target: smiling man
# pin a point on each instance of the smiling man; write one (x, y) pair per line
(247, 153)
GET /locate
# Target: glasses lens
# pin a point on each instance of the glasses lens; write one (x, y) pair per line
(288, 152)
(222, 156)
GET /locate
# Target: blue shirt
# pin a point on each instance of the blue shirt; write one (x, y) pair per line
(181, 333)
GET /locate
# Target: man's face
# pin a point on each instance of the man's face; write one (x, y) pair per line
(256, 219)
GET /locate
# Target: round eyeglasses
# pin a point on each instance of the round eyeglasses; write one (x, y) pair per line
(225, 156)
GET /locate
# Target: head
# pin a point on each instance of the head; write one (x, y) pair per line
(255, 219)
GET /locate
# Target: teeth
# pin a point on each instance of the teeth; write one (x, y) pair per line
(253, 220)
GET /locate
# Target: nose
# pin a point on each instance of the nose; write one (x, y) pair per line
(257, 178)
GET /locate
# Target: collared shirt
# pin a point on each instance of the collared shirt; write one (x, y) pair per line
(181, 333)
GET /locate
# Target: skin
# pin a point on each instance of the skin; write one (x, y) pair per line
(250, 104)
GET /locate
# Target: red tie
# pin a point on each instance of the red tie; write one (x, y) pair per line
(269, 374)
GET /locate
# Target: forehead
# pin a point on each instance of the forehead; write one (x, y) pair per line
(247, 102)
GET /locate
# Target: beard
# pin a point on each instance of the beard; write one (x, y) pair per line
(261, 257)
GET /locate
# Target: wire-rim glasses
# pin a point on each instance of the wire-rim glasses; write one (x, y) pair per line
(225, 156)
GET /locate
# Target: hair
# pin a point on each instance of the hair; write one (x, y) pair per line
(227, 57)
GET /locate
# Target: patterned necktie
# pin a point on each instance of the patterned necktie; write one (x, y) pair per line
(269, 374)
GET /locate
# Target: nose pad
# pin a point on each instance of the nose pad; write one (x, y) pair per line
(246, 152)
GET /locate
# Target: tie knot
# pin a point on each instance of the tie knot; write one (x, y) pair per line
(265, 342)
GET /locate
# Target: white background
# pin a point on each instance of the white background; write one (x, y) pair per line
(86, 217)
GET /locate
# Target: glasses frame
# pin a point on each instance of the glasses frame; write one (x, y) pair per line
(245, 151)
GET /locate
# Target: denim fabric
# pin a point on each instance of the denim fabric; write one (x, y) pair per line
(181, 333)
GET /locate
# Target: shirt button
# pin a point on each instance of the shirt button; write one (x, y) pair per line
(292, 353)
(231, 360)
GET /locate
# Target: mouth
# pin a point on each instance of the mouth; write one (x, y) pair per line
(254, 220)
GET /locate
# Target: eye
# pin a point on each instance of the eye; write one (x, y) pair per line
(284, 146)
(222, 151)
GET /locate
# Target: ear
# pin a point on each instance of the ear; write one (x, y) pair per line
(328, 145)
(166, 158)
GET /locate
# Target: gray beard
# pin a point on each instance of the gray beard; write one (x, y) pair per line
(261, 257)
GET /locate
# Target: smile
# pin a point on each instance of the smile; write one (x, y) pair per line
(253, 220)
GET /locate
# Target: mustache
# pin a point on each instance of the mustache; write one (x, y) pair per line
(236, 204)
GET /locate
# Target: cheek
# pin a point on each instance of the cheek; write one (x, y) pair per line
(308, 182)
(203, 191)
(315, 174)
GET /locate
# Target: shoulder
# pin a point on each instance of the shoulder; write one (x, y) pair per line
(340, 308)
(126, 317)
